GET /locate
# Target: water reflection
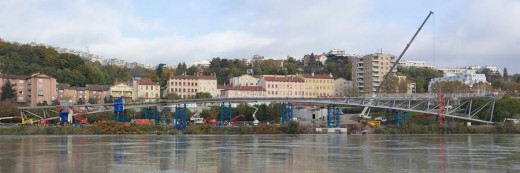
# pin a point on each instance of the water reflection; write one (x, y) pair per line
(261, 153)
(118, 153)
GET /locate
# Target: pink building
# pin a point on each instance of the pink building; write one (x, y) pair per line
(187, 86)
(242, 92)
(41, 88)
(290, 86)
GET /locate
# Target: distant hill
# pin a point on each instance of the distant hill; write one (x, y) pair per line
(23, 59)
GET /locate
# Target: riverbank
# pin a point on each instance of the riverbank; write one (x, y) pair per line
(111, 128)
(124, 128)
(410, 128)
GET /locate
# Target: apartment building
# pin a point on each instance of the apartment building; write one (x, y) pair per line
(368, 71)
(208, 84)
(18, 83)
(145, 90)
(318, 85)
(244, 80)
(290, 86)
(242, 92)
(187, 86)
(342, 87)
(41, 88)
(98, 92)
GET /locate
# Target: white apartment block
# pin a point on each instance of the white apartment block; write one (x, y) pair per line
(420, 64)
(468, 77)
(244, 80)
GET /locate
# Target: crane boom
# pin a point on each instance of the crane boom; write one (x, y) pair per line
(402, 53)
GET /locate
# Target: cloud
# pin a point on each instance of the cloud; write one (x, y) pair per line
(476, 32)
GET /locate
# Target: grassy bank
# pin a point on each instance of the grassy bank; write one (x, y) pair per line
(122, 128)
(410, 128)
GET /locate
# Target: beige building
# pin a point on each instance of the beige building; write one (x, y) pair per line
(145, 90)
(74, 94)
(368, 71)
(186, 86)
(290, 86)
(318, 85)
(208, 84)
(18, 83)
(242, 92)
(122, 89)
(244, 80)
(342, 87)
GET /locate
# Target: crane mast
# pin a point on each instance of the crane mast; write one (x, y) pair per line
(364, 113)
(402, 53)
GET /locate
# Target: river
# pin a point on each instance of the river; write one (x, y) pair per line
(261, 153)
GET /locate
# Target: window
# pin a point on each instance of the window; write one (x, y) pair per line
(40, 86)
(40, 80)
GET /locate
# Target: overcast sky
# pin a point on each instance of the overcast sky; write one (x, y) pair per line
(460, 33)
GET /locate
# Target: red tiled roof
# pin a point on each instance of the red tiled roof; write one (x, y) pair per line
(243, 88)
(145, 81)
(283, 78)
(194, 77)
(318, 76)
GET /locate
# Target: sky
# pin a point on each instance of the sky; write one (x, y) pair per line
(460, 33)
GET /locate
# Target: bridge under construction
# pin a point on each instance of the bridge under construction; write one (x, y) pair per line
(454, 105)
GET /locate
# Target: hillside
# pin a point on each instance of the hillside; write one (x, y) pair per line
(23, 59)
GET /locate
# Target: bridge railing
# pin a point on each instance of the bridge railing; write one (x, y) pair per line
(426, 95)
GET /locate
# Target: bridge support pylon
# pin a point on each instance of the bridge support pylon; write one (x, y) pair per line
(333, 116)
(225, 115)
(287, 113)
(151, 113)
(179, 120)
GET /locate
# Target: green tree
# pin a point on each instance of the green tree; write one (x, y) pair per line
(420, 75)
(8, 92)
(159, 70)
(181, 69)
(201, 95)
(173, 96)
(450, 87)
(390, 85)
(192, 70)
(506, 75)
(92, 101)
(8, 109)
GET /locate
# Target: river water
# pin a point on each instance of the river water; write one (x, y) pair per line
(261, 153)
